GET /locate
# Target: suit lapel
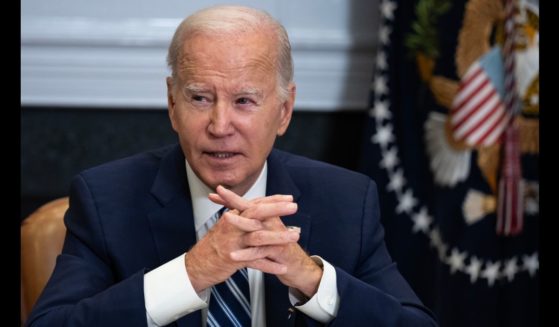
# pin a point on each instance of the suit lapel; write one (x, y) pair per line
(276, 294)
(172, 224)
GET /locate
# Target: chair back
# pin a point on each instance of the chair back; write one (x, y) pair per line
(42, 237)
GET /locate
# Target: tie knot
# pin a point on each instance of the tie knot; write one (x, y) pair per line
(221, 212)
(217, 215)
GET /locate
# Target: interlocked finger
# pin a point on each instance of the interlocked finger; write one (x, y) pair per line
(255, 253)
(266, 237)
(242, 223)
(231, 200)
(264, 211)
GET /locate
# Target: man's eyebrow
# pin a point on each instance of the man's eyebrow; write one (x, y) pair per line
(195, 88)
(250, 91)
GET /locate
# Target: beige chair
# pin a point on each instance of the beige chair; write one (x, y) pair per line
(42, 237)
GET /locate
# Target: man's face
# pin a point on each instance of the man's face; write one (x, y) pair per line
(225, 107)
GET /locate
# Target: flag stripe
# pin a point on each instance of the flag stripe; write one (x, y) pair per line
(496, 133)
(468, 82)
(463, 108)
(485, 126)
(463, 113)
(482, 109)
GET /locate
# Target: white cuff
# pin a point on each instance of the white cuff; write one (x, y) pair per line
(168, 293)
(323, 306)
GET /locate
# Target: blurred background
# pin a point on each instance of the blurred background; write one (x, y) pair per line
(377, 89)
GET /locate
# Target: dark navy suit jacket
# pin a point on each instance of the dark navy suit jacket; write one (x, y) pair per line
(133, 215)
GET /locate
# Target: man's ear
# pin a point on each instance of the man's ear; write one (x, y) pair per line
(287, 109)
(171, 101)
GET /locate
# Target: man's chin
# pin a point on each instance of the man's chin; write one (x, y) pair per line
(239, 186)
(215, 180)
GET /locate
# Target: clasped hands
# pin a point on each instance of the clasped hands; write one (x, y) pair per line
(251, 234)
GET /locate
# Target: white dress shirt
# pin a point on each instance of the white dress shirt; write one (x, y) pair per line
(169, 295)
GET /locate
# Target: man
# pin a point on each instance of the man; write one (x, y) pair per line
(144, 245)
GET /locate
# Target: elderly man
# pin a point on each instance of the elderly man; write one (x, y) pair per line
(223, 230)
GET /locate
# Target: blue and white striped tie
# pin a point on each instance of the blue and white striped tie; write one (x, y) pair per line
(230, 300)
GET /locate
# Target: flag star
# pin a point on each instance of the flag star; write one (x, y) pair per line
(396, 182)
(473, 269)
(381, 60)
(421, 221)
(383, 136)
(387, 8)
(389, 159)
(379, 85)
(380, 110)
(531, 263)
(435, 238)
(384, 34)
(511, 268)
(491, 272)
(441, 249)
(456, 260)
(407, 202)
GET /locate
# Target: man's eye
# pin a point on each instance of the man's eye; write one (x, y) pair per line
(199, 98)
(244, 101)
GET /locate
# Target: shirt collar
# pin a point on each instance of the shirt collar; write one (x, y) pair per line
(203, 208)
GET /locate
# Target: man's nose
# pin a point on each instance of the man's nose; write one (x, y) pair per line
(220, 120)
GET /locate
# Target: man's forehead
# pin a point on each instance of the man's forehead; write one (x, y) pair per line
(203, 46)
(246, 73)
(227, 61)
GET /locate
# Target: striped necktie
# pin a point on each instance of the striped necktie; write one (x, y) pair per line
(230, 300)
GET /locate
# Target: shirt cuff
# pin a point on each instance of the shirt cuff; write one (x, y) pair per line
(323, 306)
(169, 294)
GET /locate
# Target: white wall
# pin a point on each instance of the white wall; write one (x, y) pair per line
(108, 53)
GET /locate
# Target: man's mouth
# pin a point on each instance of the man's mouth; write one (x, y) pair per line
(221, 155)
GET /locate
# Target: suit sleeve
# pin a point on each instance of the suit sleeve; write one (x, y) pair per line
(82, 290)
(376, 294)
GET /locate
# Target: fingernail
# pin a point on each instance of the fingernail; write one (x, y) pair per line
(294, 228)
(292, 206)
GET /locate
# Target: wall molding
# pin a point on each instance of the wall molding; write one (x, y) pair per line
(87, 62)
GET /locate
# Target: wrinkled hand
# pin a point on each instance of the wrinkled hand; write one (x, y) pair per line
(213, 259)
(287, 260)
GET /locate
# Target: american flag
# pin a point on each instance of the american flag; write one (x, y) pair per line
(478, 116)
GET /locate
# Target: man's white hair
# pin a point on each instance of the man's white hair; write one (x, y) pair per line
(234, 20)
